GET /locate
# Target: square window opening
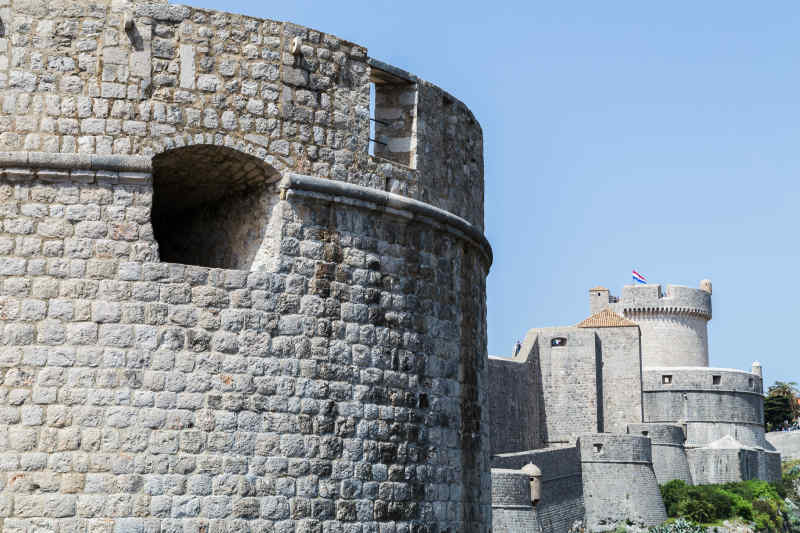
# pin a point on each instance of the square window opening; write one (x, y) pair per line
(666, 379)
(716, 380)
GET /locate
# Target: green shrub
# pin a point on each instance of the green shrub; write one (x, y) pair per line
(673, 493)
(753, 501)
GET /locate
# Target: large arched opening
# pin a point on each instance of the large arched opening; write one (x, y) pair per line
(213, 207)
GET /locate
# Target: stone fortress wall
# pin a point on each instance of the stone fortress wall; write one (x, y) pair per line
(633, 379)
(668, 450)
(512, 509)
(319, 360)
(561, 504)
(619, 484)
(710, 402)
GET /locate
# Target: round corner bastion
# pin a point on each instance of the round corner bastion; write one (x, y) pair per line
(226, 304)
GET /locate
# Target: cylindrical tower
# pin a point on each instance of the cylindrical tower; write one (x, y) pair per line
(674, 324)
(619, 484)
(219, 311)
(669, 455)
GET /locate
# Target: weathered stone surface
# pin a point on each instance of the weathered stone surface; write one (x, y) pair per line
(314, 361)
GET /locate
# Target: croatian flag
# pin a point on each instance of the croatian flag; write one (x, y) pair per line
(638, 278)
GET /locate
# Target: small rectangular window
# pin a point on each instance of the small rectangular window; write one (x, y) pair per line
(393, 118)
(666, 379)
(598, 448)
(558, 341)
(716, 380)
(751, 382)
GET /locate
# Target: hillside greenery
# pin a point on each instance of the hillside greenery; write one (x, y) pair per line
(767, 507)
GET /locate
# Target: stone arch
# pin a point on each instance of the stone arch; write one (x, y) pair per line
(213, 207)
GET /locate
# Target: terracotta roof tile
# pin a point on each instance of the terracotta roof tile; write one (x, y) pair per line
(607, 319)
(598, 288)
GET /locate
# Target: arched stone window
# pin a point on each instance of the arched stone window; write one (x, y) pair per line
(213, 207)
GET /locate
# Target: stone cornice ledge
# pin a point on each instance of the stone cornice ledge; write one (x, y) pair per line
(388, 202)
(119, 163)
(76, 168)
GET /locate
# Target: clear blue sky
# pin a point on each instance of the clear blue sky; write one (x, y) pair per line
(658, 136)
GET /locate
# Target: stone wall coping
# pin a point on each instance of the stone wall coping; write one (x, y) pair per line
(386, 201)
(707, 369)
(55, 160)
(391, 69)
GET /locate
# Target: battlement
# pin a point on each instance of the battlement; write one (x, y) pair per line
(650, 299)
(614, 448)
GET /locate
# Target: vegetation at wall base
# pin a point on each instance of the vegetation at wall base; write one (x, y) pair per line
(767, 507)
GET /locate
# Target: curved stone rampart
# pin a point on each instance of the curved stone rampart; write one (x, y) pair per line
(669, 455)
(673, 324)
(329, 371)
(512, 511)
(711, 402)
(141, 78)
(561, 505)
(619, 484)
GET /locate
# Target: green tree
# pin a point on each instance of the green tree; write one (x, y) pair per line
(780, 405)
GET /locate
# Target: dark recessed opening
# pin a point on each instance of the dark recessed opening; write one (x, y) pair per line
(666, 379)
(598, 447)
(716, 380)
(212, 207)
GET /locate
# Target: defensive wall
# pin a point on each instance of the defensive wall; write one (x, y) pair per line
(512, 510)
(727, 460)
(673, 323)
(710, 402)
(668, 451)
(304, 344)
(515, 400)
(563, 382)
(786, 442)
(561, 503)
(619, 484)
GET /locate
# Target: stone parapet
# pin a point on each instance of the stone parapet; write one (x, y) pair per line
(619, 485)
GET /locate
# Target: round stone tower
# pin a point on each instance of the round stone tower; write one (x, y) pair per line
(674, 324)
(226, 306)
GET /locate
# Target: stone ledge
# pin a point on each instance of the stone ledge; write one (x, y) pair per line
(59, 161)
(369, 198)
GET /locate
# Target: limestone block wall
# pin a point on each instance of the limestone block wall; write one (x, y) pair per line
(345, 387)
(570, 385)
(712, 402)
(785, 442)
(333, 372)
(619, 484)
(512, 511)
(714, 465)
(621, 371)
(669, 455)
(515, 402)
(140, 78)
(673, 323)
(561, 505)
